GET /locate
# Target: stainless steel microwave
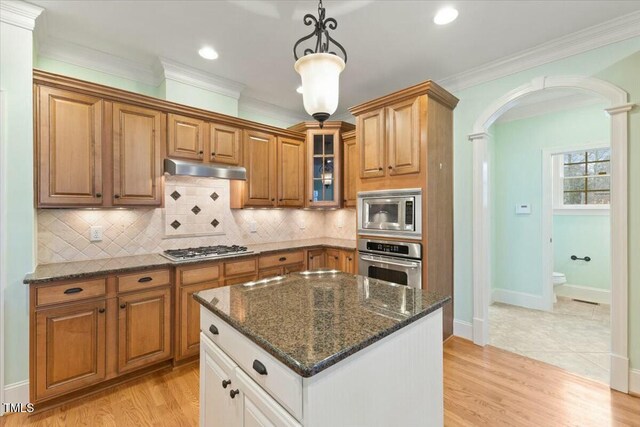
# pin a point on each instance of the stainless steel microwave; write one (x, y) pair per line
(394, 213)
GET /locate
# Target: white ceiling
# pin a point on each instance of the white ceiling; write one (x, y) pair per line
(391, 44)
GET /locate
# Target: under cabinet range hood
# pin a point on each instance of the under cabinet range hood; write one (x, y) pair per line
(208, 170)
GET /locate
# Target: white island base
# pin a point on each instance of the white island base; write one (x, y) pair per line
(397, 381)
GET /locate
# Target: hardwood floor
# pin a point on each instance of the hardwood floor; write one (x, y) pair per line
(482, 386)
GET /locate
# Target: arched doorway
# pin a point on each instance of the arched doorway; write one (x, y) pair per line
(618, 108)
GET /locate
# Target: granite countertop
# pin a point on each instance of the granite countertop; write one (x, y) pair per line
(312, 321)
(83, 269)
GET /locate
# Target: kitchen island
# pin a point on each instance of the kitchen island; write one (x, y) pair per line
(320, 348)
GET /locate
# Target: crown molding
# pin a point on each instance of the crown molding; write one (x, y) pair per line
(253, 105)
(608, 32)
(19, 13)
(97, 60)
(193, 77)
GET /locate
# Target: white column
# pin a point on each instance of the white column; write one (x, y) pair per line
(17, 213)
(481, 240)
(619, 247)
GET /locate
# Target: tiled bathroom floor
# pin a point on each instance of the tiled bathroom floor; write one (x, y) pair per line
(575, 336)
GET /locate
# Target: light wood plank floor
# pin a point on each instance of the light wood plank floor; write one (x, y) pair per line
(482, 386)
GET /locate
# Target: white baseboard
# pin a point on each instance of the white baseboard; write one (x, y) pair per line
(463, 329)
(619, 376)
(520, 299)
(17, 392)
(601, 296)
(634, 381)
(478, 334)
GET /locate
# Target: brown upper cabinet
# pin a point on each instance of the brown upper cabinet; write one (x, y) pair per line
(275, 172)
(403, 137)
(224, 144)
(69, 147)
(350, 169)
(93, 152)
(137, 156)
(185, 137)
(98, 146)
(389, 140)
(324, 183)
(370, 138)
(290, 167)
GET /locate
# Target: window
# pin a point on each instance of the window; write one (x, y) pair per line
(586, 177)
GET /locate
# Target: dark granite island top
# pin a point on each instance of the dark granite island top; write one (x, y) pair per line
(311, 321)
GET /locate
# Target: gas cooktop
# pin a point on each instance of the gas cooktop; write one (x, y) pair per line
(205, 252)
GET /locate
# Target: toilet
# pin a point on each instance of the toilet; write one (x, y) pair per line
(558, 280)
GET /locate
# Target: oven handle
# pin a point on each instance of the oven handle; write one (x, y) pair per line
(399, 264)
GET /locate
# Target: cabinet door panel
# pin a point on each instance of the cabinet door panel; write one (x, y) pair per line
(69, 148)
(189, 337)
(260, 409)
(370, 133)
(144, 329)
(350, 171)
(137, 155)
(259, 160)
(70, 348)
(404, 137)
(270, 272)
(348, 262)
(217, 408)
(290, 170)
(316, 259)
(225, 144)
(324, 175)
(186, 139)
(333, 259)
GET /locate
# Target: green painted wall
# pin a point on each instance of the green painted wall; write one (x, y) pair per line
(16, 63)
(583, 235)
(200, 98)
(517, 178)
(619, 64)
(262, 118)
(94, 76)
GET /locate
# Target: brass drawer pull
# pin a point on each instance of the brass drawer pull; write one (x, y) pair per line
(73, 290)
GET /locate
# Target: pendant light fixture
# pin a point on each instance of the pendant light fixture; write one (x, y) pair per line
(320, 67)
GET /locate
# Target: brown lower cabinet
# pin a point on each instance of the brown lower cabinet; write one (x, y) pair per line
(144, 328)
(93, 331)
(70, 348)
(334, 259)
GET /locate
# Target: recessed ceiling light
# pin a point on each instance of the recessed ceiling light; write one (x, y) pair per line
(299, 90)
(445, 16)
(208, 53)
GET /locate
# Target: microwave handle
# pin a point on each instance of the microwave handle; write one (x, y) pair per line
(399, 264)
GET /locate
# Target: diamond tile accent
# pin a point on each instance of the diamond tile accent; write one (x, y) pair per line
(215, 223)
(196, 210)
(214, 196)
(175, 224)
(175, 195)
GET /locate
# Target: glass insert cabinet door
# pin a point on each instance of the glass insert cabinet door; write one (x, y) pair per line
(325, 173)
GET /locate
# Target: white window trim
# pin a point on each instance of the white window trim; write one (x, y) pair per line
(559, 208)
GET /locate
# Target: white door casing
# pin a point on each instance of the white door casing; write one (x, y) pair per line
(618, 111)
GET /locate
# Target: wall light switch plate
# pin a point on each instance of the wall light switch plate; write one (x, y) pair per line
(253, 227)
(523, 209)
(95, 234)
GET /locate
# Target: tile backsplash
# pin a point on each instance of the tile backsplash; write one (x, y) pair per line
(200, 214)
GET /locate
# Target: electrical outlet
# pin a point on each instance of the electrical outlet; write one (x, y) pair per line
(95, 235)
(253, 227)
(339, 224)
(302, 225)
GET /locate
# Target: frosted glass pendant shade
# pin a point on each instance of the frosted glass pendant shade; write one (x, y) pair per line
(320, 73)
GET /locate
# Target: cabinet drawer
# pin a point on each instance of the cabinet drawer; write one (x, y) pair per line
(144, 280)
(282, 258)
(68, 292)
(243, 267)
(280, 382)
(190, 276)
